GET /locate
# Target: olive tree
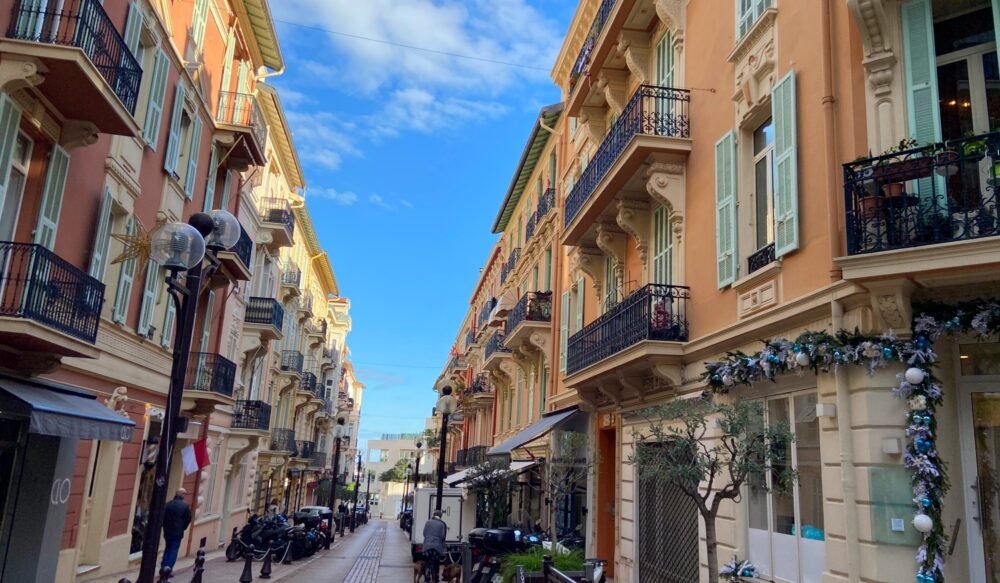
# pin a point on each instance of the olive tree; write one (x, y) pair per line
(566, 472)
(710, 451)
(493, 483)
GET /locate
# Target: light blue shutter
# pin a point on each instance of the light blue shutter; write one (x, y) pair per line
(157, 95)
(169, 319)
(563, 330)
(193, 152)
(133, 27)
(548, 270)
(579, 305)
(206, 325)
(52, 196)
(213, 168)
(725, 209)
(174, 138)
(227, 186)
(150, 291)
(102, 238)
(227, 63)
(10, 120)
(198, 21)
(921, 72)
(126, 277)
(786, 174)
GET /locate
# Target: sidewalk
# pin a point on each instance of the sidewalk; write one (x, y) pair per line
(383, 558)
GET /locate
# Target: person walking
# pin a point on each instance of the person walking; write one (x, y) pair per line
(435, 533)
(176, 518)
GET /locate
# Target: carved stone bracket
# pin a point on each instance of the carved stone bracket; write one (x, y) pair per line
(891, 303)
(522, 358)
(76, 133)
(612, 242)
(540, 339)
(633, 218)
(632, 386)
(665, 183)
(870, 16)
(118, 397)
(20, 73)
(614, 86)
(669, 373)
(588, 260)
(509, 369)
(592, 120)
(633, 45)
(671, 14)
(610, 391)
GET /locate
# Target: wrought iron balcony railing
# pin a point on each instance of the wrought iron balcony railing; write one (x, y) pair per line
(546, 203)
(308, 382)
(244, 248)
(252, 415)
(924, 196)
(495, 345)
(291, 275)
(652, 111)
(283, 440)
(277, 210)
(653, 312)
(760, 258)
(529, 228)
(292, 360)
(210, 372)
(265, 311)
(480, 384)
(484, 313)
(304, 449)
(83, 24)
(319, 459)
(241, 109)
(533, 306)
(470, 338)
(583, 59)
(38, 285)
(511, 264)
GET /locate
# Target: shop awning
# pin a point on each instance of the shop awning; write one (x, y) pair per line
(459, 477)
(532, 432)
(63, 411)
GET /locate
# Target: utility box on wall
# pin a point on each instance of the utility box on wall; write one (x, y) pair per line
(892, 506)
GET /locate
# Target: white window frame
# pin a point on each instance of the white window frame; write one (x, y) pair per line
(765, 155)
(662, 257)
(748, 12)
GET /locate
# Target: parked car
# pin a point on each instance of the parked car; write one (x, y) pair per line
(317, 511)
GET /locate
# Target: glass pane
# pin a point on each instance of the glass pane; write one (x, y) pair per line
(992, 74)
(980, 358)
(812, 549)
(762, 201)
(783, 508)
(986, 420)
(763, 137)
(956, 27)
(955, 99)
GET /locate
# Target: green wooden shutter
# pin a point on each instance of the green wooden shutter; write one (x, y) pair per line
(542, 385)
(227, 185)
(102, 238)
(206, 325)
(563, 330)
(174, 137)
(52, 196)
(150, 292)
(126, 277)
(725, 209)
(552, 170)
(548, 270)
(227, 64)
(213, 175)
(198, 21)
(193, 152)
(10, 121)
(786, 174)
(157, 95)
(921, 71)
(169, 319)
(133, 28)
(579, 305)
(665, 61)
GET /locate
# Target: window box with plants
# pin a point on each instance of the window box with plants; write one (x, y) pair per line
(570, 564)
(900, 164)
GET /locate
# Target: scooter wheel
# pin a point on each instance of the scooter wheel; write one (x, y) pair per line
(233, 552)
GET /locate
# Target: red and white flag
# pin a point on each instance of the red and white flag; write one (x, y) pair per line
(195, 457)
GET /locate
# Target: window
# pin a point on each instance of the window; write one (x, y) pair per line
(519, 395)
(763, 192)
(212, 472)
(11, 205)
(198, 21)
(747, 13)
(126, 277)
(572, 127)
(548, 270)
(543, 384)
(787, 531)
(611, 294)
(663, 247)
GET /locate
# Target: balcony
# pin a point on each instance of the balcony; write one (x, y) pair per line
(251, 415)
(484, 315)
(310, 383)
(242, 125)
(209, 381)
(291, 362)
(237, 261)
(283, 440)
(470, 457)
(304, 449)
(495, 350)
(478, 394)
(277, 218)
(652, 126)
(510, 265)
(291, 278)
(305, 307)
(923, 208)
(583, 59)
(319, 460)
(654, 313)
(529, 227)
(47, 306)
(530, 315)
(72, 54)
(266, 316)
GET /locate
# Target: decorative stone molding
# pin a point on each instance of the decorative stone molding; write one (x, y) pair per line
(36, 363)
(612, 242)
(633, 218)
(633, 46)
(671, 14)
(610, 392)
(635, 387)
(870, 16)
(521, 356)
(755, 63)
(592, 120)
(614, 86)
(669, 373)
(76, 133)
(588, 260)
(20, 73)
(665, 184)
(540, 340)
(118, 397)
(891, 304)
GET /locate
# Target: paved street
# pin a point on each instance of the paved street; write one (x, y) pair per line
(378, 552)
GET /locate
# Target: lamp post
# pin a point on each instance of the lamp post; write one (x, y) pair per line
(416, 475)
(338, 432)
(445, 406)
(181, 247)
(357, 486)
(406, 487)
(368, 493)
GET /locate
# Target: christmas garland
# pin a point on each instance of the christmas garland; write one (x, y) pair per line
(822, 352)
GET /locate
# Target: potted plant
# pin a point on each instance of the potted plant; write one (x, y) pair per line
(935, 227)
(899, 164)
(530, 561)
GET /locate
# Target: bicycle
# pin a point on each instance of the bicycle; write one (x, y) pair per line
(432, 566)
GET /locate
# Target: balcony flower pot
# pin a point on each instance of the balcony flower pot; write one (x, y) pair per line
(901, 170)
(894, 189)
(871, 206)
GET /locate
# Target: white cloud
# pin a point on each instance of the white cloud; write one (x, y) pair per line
(420, 110)
(406, 203)
(322, 137)
(344, 198)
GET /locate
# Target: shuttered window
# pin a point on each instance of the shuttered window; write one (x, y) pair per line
(52, 197)
(102, 238)
(150, 293)
(157, 96)
(725, 210)
(206, 325)
(786, 174)
(548, 270)
(563, 330)
(126, 277)
(133, 28)
(213, 164)
(192, 160)
(198, 21)
(10, 120)
(174, 137)
(579, 305)
(169, 320)
(663, 247)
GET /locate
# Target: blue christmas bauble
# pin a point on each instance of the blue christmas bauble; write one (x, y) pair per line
(926, 502)
(796, 347)
(773, 359)
(923, 445)
(887, 352)
(837, 355)
(716, 379)
(922, 343)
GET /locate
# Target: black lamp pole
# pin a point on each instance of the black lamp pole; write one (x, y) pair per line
(368, 493)
(406, 487)
(336, 470)
(445, 394)
(416, 475)
(357, 486)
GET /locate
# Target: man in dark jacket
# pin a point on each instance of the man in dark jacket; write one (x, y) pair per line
(435, 533)
(176, 518)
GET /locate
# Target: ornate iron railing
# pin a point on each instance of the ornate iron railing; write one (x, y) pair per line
(484, 313)
(308, 382)
(760, 258)
(653, 111)
(653, 312)
(241, 109)
(583, 59)
(529, 228)
(546, 203)
(277, 210)
(265, 311)
(283, 440)
(291, 275)
(470, 338)
(511, 264)
(251, 415)
(494, 345)
(210, 372)
(306, 303)
(291, 360)
(304, 449)
(38, 285)
(83, 24)
(319, 459)
(244, 248)
(472, 456)
(924, 196)
(480, 384)
(533, 306)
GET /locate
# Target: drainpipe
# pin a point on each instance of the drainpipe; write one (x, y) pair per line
(541, 124)
(848, 482)
(833, 177)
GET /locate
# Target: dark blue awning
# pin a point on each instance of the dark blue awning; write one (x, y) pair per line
(532, 432)
(62, 411)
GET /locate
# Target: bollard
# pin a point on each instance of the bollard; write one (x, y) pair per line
(265, 569)
(546, 567)
(466, 562)
(286, 559)
(247, 575)
(199, 566)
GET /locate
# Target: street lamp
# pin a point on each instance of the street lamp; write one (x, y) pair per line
(338, 433)
(368, 493)
(406, 487)
(181, 247)
(357, 486)
(416, 476)
(446, 405)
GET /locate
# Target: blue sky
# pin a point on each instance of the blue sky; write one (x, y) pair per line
(407, 156)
